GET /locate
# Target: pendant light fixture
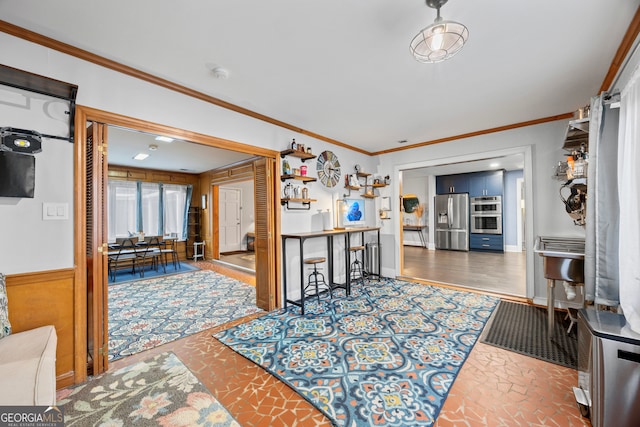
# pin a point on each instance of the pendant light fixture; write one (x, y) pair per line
(440, 40)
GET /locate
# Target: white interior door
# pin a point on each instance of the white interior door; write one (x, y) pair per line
(229, 220)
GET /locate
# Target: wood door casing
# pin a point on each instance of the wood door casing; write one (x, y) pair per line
(83, 304)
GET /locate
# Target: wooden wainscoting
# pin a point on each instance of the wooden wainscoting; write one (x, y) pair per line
(46, 298)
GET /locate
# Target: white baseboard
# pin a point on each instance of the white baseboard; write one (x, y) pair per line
(512, 248)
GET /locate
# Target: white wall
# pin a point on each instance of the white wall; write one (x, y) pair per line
(30, 244)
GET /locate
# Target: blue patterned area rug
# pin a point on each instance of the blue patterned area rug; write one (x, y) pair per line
(147, 313)
(123, 276)
(386, 355)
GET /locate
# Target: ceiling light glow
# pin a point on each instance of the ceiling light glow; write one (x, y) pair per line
(140, 156)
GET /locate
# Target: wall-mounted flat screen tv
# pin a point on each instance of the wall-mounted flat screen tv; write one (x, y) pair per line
(17, 174)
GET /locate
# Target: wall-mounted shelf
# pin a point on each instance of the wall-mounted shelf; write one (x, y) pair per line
(577, 134)
(304, 179)
(306, 203)
(295, 153)
(368, 188)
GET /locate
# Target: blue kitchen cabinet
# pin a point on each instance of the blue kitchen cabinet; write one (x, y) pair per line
(486, 242)
(449, 184)
(490, 183)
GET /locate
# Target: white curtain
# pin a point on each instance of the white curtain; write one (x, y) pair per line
(628, 191)
(150, 208)
(175, 199)
(121, 209)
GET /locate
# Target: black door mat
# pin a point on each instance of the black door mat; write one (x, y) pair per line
(523, 329)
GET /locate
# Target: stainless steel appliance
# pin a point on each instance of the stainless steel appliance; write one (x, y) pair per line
(608, 369)
(452, 221)
(563, 259)
(486, 214)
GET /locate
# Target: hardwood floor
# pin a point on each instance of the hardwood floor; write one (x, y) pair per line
(228, 270)
(245, 260)
(503, 273)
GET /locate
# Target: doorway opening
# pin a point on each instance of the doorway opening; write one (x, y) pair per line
(237, 225)
(501, 269)
(92, 163)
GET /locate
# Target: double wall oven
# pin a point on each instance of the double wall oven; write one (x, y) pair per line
(486, 214)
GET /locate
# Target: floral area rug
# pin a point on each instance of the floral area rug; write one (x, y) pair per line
(147, 313)
(160, 391)
(386, 355)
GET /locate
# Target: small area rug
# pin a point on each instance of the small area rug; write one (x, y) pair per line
(123, 276)
(523, 329)
(386, 355)
(158, 391)
(147, 313)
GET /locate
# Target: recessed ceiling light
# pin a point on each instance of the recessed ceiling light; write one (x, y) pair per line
(140, 156)
(494, 165)
(164, 139)
(153, 147)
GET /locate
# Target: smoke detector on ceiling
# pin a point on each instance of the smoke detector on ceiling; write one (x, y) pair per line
(220, 73)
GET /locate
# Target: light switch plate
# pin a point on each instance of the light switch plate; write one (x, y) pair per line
(55, 211)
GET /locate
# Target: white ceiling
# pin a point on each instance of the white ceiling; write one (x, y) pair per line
(342, 69)
(511, 162)
(176, 156)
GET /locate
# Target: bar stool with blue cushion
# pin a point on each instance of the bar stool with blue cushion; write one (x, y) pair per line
(316, 278)
(357, 266)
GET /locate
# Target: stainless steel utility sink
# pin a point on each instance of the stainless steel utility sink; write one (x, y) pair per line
(563, 260)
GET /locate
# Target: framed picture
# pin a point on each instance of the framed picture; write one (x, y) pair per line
(385, 203)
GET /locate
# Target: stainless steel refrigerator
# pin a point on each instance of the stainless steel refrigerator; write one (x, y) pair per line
(452, 221)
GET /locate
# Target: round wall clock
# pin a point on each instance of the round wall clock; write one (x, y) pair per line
(328, 168)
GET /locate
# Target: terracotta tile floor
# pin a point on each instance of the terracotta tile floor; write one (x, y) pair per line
(495, 387)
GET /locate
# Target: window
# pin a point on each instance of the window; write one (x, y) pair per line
(154, 208)
(150, 206)
(175, 199)
(121, 209)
